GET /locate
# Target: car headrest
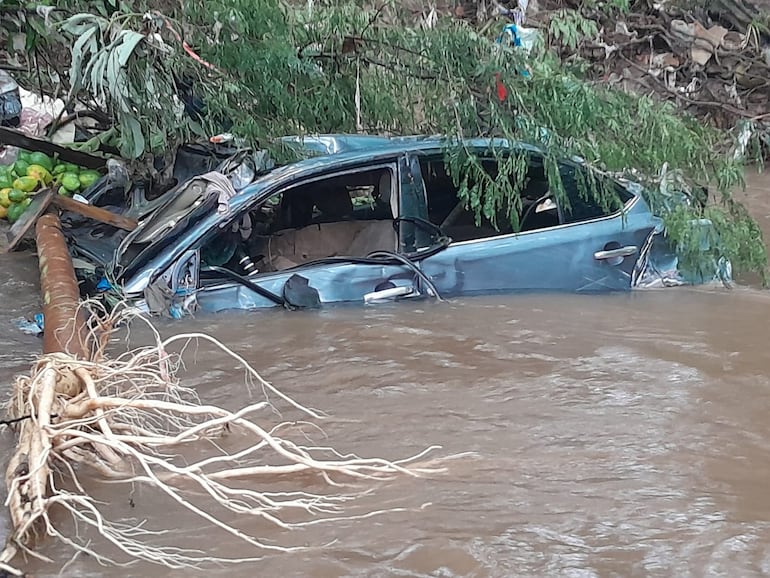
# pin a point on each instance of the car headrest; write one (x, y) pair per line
(334, 202)
(383, 186)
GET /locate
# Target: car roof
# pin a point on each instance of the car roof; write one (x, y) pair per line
(345, 150)
(341, 144)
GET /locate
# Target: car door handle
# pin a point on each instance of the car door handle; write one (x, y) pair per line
(614, 253)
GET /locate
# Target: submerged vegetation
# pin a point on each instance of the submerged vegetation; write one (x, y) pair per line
(261, 69)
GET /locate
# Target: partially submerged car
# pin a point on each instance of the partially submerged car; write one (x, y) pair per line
(366, 219)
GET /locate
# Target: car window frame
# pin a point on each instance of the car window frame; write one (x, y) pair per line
(390, 164)
(438, 157)
(563, 223)
(617, 185)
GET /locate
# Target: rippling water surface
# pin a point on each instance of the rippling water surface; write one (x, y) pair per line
(616, 435)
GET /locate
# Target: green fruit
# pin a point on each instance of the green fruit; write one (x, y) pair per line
(15, 211)
(70, 181)
(70, 168)
(5, 181)
(41, 159)
(64, 192)
(24, 155)
(39, 173)
(88, 178)
(59, 169)
(27, 184)
(5, 169)
(20, 167)
(17, 196)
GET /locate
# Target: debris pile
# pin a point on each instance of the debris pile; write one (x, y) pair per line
(716, 74)
(713, 64)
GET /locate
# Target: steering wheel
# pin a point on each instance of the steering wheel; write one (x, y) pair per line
(530, 210)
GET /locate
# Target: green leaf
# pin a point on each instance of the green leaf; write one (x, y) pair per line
(83, 46)
(129, 41)
(131, 138)
(76, 25)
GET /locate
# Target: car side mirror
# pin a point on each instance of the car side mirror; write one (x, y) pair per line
(182, 276)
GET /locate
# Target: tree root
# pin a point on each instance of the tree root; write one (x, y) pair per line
(127, 420)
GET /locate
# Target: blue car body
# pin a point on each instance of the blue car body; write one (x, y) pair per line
(431, 248)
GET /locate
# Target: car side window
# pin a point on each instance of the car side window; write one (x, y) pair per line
(458, 221)
(347, 214)
(581, 205)
(357, 195)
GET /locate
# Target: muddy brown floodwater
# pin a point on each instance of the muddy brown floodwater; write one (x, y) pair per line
(614, 435)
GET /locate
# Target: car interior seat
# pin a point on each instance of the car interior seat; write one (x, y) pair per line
(379, 234)
(334, 202)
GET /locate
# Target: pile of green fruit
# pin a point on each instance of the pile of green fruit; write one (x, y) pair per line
(34, 171)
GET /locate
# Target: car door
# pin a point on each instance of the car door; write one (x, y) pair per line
(321, 279)
(583, 250)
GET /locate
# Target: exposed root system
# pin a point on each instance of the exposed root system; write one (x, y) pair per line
(129, 421)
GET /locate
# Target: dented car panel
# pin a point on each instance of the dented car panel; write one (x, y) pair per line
(367, 219)
(336, 283)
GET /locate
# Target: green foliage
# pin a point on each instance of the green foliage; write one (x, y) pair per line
(731, 235)
(610, 6)
(570, 28)
(131, 75)
(622, 6)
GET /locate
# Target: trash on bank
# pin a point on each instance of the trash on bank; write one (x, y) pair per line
(10, 101)
(519, 37)
(703, 42)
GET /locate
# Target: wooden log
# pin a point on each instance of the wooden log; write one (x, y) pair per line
(37, 207)
(64, 323)
(17, 138)
(96, 213)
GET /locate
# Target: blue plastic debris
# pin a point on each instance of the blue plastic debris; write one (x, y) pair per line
(103, 285)
(30, 327)
(10, 102)
(510, 32)
(182, 304)
(518, 36)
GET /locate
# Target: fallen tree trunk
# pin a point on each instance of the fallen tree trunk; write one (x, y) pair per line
(36, 400)
(64, 322)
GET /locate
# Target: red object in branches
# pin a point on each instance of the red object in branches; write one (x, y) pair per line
(185, 46)
(502, 92)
